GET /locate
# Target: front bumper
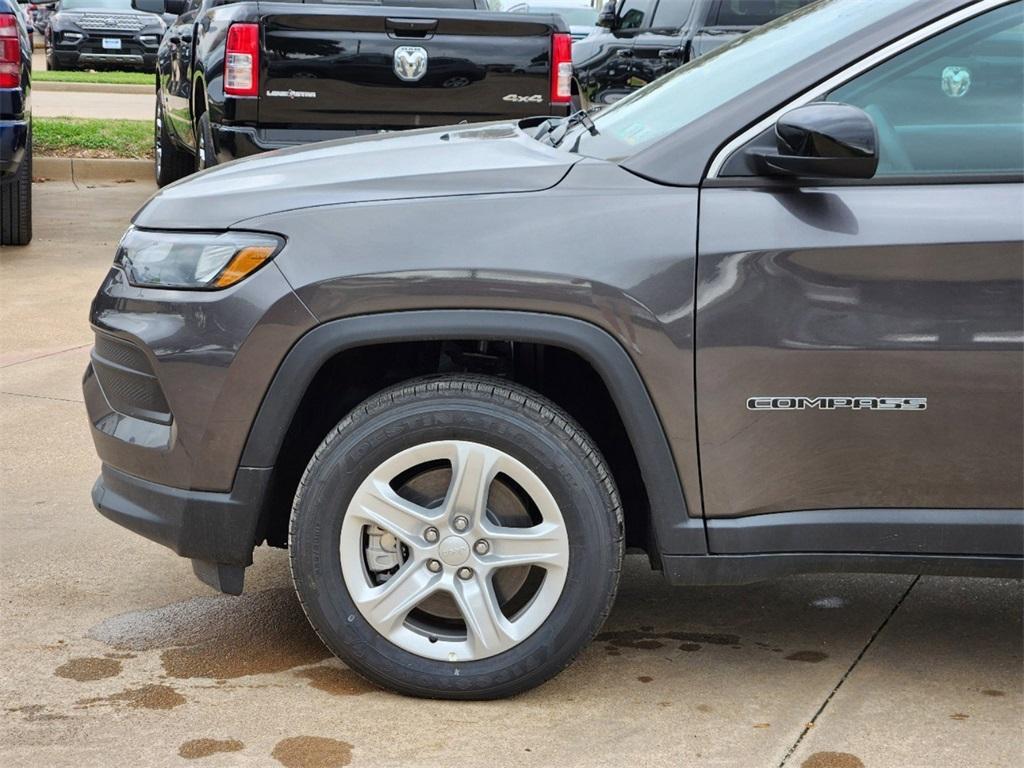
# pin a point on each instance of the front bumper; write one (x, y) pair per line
(174, 382)
(215, 530)
(13, 141)
(89, 51)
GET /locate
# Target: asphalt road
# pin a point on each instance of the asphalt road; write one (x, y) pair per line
(112, 654)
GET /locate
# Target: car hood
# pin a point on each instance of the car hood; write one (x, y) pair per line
(470, 160)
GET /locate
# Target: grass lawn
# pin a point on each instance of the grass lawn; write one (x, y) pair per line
(79, 137)
(108, 78)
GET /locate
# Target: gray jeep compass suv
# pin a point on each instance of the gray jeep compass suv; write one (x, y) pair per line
(761, 317)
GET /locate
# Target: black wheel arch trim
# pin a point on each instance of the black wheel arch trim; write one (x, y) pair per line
(675, 531)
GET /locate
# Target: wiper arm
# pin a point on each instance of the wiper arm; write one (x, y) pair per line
(554, 132)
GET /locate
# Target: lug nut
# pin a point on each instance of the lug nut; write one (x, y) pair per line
(434, 566)
(482, 547)
(431, 535)
(460, 523)
(465, 573)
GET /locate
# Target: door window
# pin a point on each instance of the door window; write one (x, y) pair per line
(952, 104)
(671, 14)
(753, 13)
(635, 14)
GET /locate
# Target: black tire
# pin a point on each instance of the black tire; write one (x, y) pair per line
(16, 203)
(170, 163)
(205, 155)
(498, 414)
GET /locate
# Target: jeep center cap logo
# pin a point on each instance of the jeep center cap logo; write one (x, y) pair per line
(410, 63)
(454, 550)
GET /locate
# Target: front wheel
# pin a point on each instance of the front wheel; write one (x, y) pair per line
(457, 537)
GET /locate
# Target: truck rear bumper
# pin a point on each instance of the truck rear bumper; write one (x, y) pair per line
(13, 140)
(233, 142)
(215, 530)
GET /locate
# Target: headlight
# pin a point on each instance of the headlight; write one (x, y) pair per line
(193, 260)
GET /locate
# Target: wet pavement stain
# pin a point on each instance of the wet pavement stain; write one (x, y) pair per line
(832, 760)
(704, 708)
(645, 678)
(811, 657)
(312, 752)
(35, 713)
(220, 637)
(649, 640)
(337, 681)
(197, 748)
(959, 716)
(993, 692)
(690, 647)
(87, 669)
(146, 697)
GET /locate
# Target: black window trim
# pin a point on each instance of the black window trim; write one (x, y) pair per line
(741, 141)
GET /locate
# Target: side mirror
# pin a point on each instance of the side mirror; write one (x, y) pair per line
(608, 18)
(825, 140)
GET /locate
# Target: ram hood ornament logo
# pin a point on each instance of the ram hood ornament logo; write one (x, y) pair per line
(410, 63)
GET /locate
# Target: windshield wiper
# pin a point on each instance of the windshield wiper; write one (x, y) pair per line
(554, 133)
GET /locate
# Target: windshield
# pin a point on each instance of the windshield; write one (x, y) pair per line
(679, 98)
(75, 5)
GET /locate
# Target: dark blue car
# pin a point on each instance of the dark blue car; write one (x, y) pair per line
(15, 125)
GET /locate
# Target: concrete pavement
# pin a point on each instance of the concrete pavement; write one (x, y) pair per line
(105, 105)
(112, 653)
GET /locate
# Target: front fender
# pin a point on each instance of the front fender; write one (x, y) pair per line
(676, 531)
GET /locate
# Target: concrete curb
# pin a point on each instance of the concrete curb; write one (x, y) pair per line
(91, 169)
(47, 85)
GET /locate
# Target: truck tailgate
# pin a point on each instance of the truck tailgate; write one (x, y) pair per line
(325, 69)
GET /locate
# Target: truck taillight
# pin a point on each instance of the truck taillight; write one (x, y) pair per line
(242, 60)
(561, 68)
(10, 52)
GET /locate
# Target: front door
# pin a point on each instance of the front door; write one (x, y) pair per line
(861, 345)
(661, 48)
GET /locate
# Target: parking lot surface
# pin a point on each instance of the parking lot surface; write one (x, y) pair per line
(113, 654)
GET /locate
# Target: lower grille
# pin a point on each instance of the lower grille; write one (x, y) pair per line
(127, 380)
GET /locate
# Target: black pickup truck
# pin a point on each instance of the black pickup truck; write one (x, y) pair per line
(641, 40)
(238, 78)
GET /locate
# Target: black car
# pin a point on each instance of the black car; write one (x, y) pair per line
(641, 40)
(96, 34)
(237, 79)
(15, 125)
(795, 346)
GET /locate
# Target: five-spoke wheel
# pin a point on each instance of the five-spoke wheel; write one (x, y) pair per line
(475, 572)
(456, 537)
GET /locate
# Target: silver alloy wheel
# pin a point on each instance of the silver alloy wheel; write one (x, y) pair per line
(487, 629)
